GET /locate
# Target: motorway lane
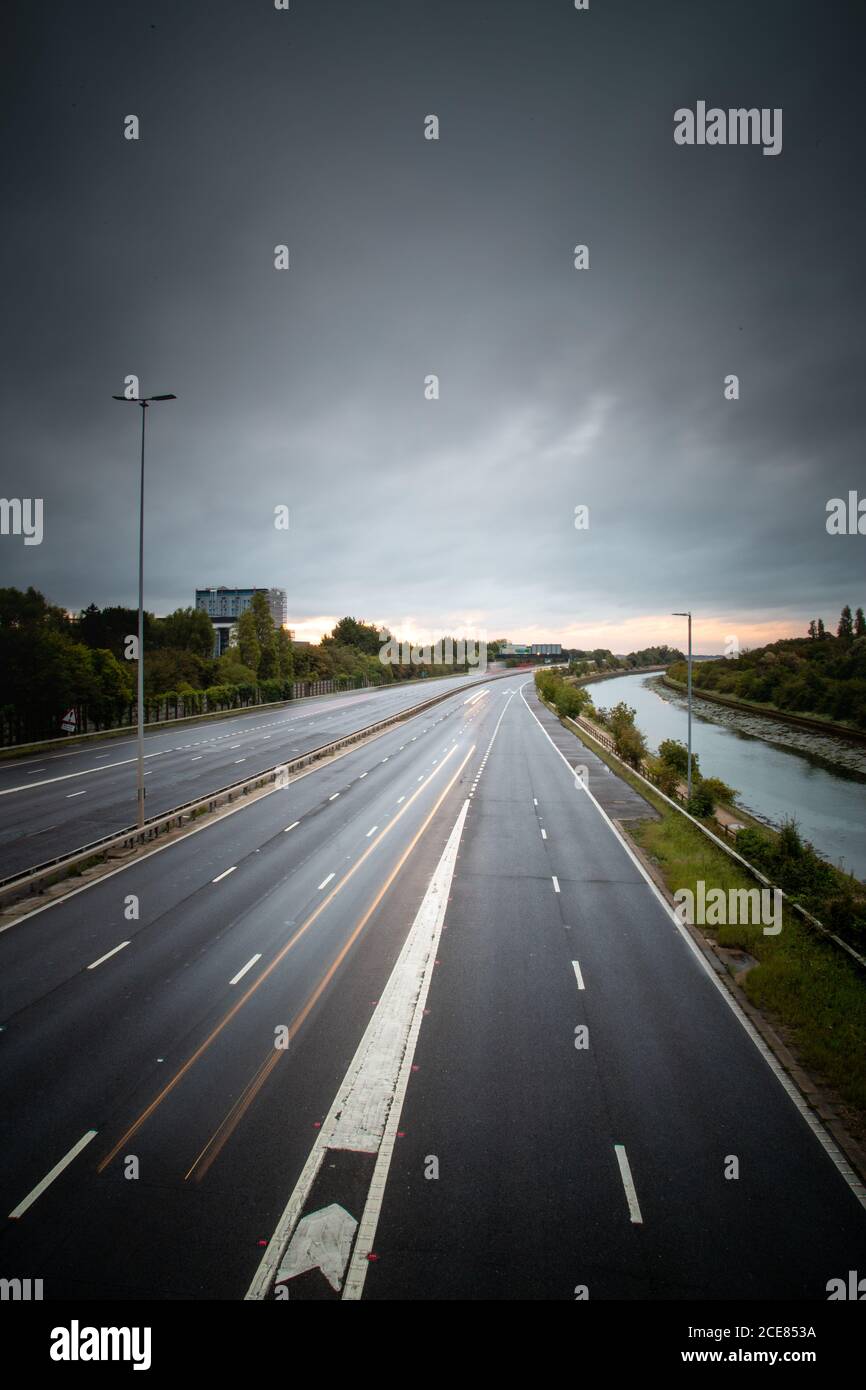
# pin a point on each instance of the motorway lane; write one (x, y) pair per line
(531, 1201)
(88, 1049)
(52, 804)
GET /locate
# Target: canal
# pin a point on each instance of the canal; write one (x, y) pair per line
(778, 769)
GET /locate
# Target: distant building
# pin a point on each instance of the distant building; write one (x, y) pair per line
(225, 605)
(531, 649)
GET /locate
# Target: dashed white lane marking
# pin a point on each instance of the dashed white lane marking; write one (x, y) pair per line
(239, 760)
(49, 1177)
(35, 770)
(555, 883)
(399, 799)
(291, 827)
(244, 968)
(578, 975)
(361, 778)
(543, 834)
(70, 795)
(197, 758)
(108, 955)
(535, 801)
(325, 881)
(628, 1184)
(225, 873)
(371, 831)
(334, 797)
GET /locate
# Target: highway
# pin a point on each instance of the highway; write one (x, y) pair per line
(156, 1128)
(54, 803)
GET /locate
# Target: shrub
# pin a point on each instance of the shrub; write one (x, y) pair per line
(666, 778)
(630, 744)
(674, 752)
(701, 803)
(719, 791)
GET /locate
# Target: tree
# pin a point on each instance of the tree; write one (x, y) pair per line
(859, 624)
(285, 655)
(265, 636)
(813, 630)
(351, 632)
(821, 630)
(187, 629)
(248, 642)
(845, 630)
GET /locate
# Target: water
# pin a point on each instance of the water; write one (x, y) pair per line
(779, 770)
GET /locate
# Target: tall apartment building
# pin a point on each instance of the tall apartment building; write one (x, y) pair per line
(225, 605)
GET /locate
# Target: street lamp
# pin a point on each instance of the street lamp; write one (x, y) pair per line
(689, 616)
(144, 402)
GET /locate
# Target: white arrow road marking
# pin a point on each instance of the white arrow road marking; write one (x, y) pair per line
(323, 1240)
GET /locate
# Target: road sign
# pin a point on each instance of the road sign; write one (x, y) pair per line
(69, 722)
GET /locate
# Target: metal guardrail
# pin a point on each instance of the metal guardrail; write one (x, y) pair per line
(40, 876)
(810, 921)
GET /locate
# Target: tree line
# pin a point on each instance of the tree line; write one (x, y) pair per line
(820, 674)
(52, 661)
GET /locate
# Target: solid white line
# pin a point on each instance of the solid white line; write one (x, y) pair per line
(555, 884)
(225, 873)
(628, 1184)
(325, 881)
(108, 954)
(371, 832)
(249, 965)
(580, 983)
(834, 1153)
(291, 827)
(49, 1177)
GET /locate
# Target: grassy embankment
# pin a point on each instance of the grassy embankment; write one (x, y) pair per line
(807, 987)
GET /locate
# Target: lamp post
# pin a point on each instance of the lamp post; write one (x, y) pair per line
(144, 402)
(689, 616)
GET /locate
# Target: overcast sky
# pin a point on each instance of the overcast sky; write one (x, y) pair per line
(408, 256)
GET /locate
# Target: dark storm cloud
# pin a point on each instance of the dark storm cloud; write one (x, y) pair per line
(409, 257)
